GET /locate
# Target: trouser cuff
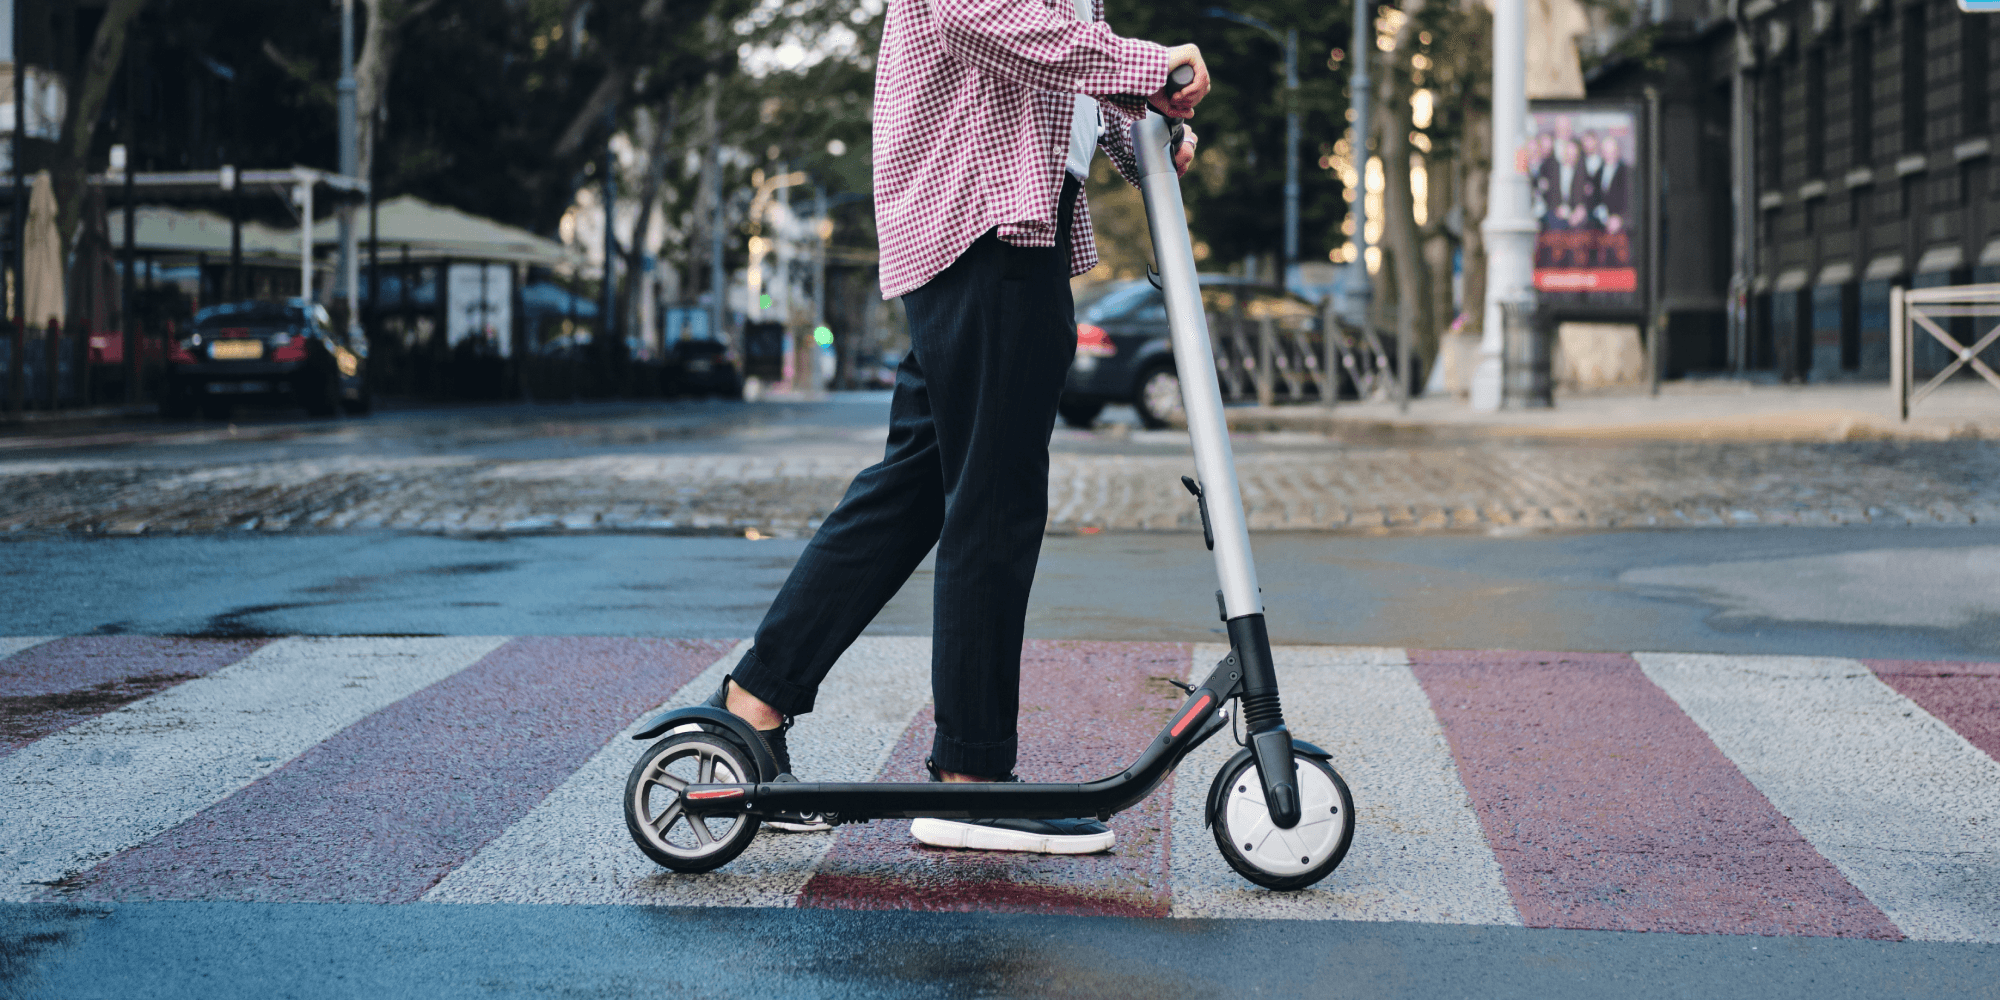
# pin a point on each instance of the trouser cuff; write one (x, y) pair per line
(983, 760)
(770, 686)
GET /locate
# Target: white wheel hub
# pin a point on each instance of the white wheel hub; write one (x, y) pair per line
(1284, 852)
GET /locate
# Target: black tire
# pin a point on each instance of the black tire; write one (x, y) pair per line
(318, 390)
(676, 839)
(1079, 411)
(359, 406)
(176, 402)
(1158, 407)
(1236, 796)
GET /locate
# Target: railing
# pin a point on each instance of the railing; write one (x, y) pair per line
(1925, 307)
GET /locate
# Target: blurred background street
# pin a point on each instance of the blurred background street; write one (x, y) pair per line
(402, 400)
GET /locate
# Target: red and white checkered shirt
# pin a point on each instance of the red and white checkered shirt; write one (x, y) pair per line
(973, 104)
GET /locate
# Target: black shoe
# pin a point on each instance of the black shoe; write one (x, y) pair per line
(1035, 836)
(774, 742)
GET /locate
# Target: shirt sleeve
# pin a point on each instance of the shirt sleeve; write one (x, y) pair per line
(1028, 42)
(1116, 141)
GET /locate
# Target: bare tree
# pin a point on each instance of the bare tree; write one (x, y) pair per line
(100, 68)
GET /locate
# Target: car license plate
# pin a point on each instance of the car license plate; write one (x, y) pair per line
(238, 387)
(236, 350)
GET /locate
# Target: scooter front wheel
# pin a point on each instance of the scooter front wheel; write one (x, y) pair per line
(1267, 855)
(658, 818)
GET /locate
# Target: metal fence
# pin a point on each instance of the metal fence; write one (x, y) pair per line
(1951, 315)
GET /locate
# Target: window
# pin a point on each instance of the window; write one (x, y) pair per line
(1861, 86)
(1914, 94)
(1973, 101)
(1816, 111)
(1774, 127)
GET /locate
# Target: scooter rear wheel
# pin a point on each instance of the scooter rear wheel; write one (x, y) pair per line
(1267, 855)
(657, 817)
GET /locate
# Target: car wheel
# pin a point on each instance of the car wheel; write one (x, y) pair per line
(318, 390)
(176, 402)
(1079, 411)
(360, 405)
(1159, 397)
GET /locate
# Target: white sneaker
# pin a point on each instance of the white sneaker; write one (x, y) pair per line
(1035, 836)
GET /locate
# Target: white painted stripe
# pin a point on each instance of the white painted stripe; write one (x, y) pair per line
(1418, 854)
(74, 798)
(1900, 802)
(573, 847)
(11, 644)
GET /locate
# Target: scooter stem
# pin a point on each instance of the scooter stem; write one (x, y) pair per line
(1154, 139)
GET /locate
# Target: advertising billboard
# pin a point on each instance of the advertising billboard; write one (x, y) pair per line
(1585, 163)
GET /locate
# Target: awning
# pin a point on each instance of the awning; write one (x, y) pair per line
(160, 229)
(436, 232)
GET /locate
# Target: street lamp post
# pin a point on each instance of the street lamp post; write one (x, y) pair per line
(1510, 225)
(1290, 40)
(350, 165)
(1357, 292)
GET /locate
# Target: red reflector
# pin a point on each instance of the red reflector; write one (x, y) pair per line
(1092, 340)
(717, 793)
(1193, 710)
(294, 351)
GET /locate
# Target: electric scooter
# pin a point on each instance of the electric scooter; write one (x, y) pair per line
(1282, 816)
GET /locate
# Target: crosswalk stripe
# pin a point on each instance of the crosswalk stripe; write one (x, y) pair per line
(1086, 710)
(573, 847)
(59, 683)
(1418, 852)
(1964, 696)
(74, 798)
(11, 644)
(1900, 802)
(384, 808)
(1609, 809)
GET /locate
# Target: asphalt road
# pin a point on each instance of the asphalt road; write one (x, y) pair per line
(1929, 593)
(1864, 592)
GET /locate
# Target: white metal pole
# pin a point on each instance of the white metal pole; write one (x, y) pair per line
(1357, 291)
(1510, 226)
(303, 194)
(350, 165)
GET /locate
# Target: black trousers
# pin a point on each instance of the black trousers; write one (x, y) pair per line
(967, 471)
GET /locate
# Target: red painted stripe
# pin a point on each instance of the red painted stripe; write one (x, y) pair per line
(1087, 709)
(390, 805)
(717, 793)
(1189, 717)
(1964, 696)
(1609, 808)
(51, 687)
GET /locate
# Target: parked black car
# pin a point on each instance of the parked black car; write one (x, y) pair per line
(274, 353)
(702, 368)
(1123, 353)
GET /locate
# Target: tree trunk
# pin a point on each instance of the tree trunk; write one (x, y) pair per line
(100, 68)
(1400, 235)
(1475, 164)
(649, 192)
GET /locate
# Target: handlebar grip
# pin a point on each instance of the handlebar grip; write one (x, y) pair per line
(1182, 75)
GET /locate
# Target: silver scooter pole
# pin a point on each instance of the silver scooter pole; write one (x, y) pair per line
(1154, 140)
(1194, 361)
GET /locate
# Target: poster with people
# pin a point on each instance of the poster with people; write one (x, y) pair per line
(1583, 178)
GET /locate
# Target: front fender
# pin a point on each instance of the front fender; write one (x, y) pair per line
(1215, 788)
(713, 719)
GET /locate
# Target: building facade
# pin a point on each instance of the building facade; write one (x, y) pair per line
(1816, 154)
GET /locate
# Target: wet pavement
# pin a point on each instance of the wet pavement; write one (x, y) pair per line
(250, 749)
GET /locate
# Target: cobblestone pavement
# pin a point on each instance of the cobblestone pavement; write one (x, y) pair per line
(1097, 482)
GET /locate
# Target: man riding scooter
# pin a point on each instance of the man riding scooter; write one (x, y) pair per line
(987, 115)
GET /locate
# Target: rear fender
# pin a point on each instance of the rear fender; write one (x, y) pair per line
(721, 722)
